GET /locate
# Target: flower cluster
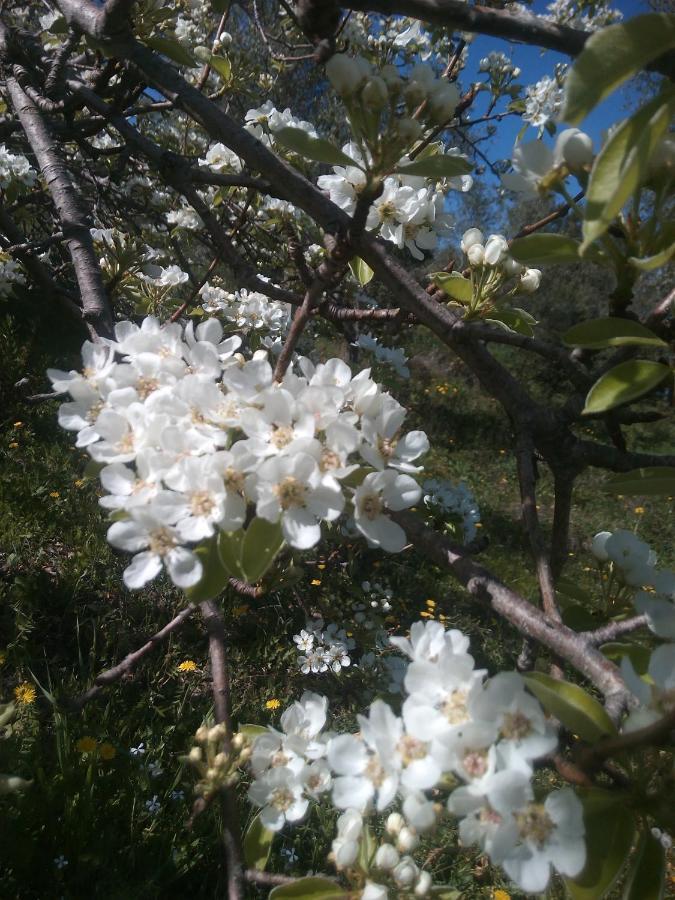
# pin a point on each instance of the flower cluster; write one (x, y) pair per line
(15, 169)
(454, 726)
(456, 503)
(409, 211)
(323, 648)
(588, 16)
(543, 102)
(391, 356)
(10, 274)
(266, 119)
(491, 265)
(247, 311)
(188, 434)
(538, 168)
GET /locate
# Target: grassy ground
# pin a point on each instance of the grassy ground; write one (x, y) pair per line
(64, 616)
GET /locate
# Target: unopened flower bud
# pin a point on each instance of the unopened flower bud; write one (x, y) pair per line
(511, 267)
(221, 761)
(405, 872)
(239, 741)
(408, 130)
(495, 248)
(476, 255)
(391, 78)
(443, 101)
(217, 733)
(470, 237)
(195, 755)
(407, 840)
(530, 281)
(374, 94)
(202, 734)
(414, 93)
(423, 885)
(574, 148)
(394, 823)
(387, 856)
(345, 74)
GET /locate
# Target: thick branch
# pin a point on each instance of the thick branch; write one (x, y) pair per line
(501, 23)
(528, 619)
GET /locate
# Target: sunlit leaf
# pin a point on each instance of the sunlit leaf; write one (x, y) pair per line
(214, 579)
(612, 331)
(611, 56)
(543, 248)
(312, 888)
(361, 270)
(626, 382)
(455, 285)
(257, 845)
(262, 542)
(437, 166)
(574, 707)
(316, 149)
(173, 49)
(645, 482)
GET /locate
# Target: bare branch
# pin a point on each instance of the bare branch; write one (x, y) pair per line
(131, 660)
(615, 630)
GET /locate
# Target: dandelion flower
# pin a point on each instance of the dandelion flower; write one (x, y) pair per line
(107, 751)
(86, 744)
(273, 703)
(188, 665)
(54, 495)
(24, 693)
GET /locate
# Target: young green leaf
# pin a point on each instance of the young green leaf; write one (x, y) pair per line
(610, 57)
(626, 382)
(222, 65)
(316, 149)
(646, 878)
(454, 285)
(214, 580)
(648, 482)
(514, 319)
(540, 249)
(620, 167)
(173, 49)
(612, 331)
(361, 270)
(439, 165)
(572, 706)
(262, 542)
(638, 655)
(311, 888)
(229, 548)
(649, 263)
(257, 845)
(610, 831)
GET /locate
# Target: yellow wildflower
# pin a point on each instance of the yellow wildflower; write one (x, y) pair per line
(54, 494)
(315, 581)
(13, 445)
(86, 744)
(273, 703)
(321, 566)
(79, 482)
(24, 693)
(241, 610)
(425, 614)
(188, 665)
(499, 894)
(18, 424)
(430, 602)
(107, 751)
(639, 510)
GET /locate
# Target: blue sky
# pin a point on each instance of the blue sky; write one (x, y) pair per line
(534, 65)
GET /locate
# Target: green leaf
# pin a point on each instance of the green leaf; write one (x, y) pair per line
(610, 57)
(361, 270)
(252, 731)
(444, 892)
(647, 482)
(439, 165)
(229, 548)
(455, 285)
(621, 165)
(648, 263)
(597, 334)
(257, 845)
(312, 888)
(646, 879)
(317, 149)
(367, 849)
(539, 249)
(222, 65)
(514, 318)
(262, 542)
(173, 49)
(610, 831)
(624, 383)
(577, 711)
(214, 580)
(571, 589)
